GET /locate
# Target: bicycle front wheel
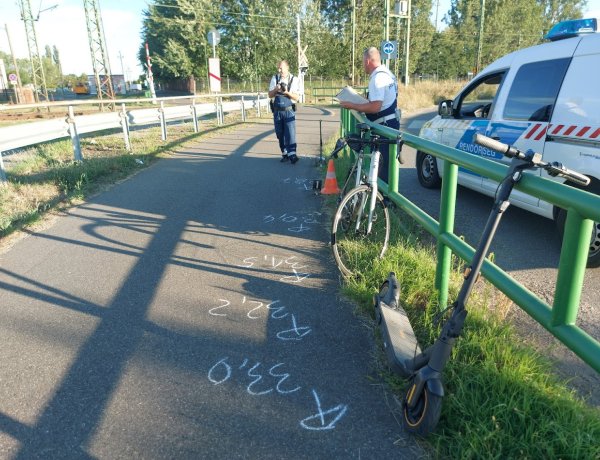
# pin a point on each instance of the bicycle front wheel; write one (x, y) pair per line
(354, 244)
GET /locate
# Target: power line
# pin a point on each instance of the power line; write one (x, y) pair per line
(219, 11)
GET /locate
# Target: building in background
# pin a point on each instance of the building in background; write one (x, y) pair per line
(118, 83)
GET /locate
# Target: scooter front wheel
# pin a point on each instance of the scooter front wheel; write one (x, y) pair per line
(425, 415)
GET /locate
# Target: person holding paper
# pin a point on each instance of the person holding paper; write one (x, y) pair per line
(382, 101)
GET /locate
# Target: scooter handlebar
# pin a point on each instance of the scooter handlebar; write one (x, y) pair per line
(554, 169)
(497, 146)
(558, 169)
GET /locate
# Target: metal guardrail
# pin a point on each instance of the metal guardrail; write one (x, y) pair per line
(325, 92)
(28, 134)
(583, 209)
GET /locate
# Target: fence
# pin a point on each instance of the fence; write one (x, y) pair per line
(582, 210)
(27, 134)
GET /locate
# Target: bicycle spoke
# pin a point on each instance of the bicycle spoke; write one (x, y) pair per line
(354, 246)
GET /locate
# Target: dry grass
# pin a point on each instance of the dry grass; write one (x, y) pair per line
(45, 177)
(418, 95)
(427, 93)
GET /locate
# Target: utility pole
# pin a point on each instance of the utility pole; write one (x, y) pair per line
(18, 92)
(302, 60)
(386, 26)
(407, 54)
(480, 37)
(123, 70)
(150, 75)
(37, 68)
(402, 11)
(353, 76)
(97, 41)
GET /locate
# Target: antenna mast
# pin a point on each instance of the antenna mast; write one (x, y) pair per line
(97, 41)
(37, 68)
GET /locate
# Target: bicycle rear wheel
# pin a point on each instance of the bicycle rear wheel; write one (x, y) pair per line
(353, 246)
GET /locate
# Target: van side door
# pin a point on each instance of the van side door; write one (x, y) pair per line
(526, 115)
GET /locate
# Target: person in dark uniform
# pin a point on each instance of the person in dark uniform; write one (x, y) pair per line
(284, 92)
(383, 101)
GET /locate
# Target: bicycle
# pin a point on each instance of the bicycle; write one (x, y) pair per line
(422, 401)
(361, 224)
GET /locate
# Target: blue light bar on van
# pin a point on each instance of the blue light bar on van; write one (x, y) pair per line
(572, 28)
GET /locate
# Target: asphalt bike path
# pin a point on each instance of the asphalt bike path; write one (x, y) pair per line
(192, 311)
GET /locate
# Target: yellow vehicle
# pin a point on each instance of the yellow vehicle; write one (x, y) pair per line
(81, 88)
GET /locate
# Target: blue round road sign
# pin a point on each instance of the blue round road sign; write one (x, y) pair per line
(388, 48)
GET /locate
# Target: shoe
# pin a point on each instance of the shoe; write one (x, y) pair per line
(294, 159)
(284, 159)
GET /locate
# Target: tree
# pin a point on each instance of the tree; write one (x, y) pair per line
(175, 31)
(501, 33)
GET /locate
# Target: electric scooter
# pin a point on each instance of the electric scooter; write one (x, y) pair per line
(422, 402)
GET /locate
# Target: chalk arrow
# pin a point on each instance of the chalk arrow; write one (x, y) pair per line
(324, 419)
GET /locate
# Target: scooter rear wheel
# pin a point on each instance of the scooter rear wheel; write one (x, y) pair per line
(424, 417)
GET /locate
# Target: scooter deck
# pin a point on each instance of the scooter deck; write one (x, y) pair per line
(400, 342)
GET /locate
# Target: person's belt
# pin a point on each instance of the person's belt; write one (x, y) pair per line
(279, 109)
(386, 118)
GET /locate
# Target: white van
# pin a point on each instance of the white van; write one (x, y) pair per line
(545, 98)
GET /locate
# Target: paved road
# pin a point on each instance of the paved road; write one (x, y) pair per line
(528, 247)
(192, 312)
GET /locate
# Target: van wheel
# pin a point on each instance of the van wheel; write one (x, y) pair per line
(594, 253)
(427, 170)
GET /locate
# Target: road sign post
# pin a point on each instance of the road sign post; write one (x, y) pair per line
(214, 74)
(213, 39)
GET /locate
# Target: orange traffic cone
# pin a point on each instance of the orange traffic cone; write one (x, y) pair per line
(331, 185)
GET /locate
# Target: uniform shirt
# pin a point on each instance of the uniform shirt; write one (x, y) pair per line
(383, 87)
(295, 88)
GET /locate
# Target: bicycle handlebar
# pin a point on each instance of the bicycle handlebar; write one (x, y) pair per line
(339, 145)
(554, 169)
(373, 140)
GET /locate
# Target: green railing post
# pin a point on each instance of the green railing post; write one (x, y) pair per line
(393, 171)
(444, 253)
(571, 269)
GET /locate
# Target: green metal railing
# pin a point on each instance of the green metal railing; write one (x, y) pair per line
(583, 209)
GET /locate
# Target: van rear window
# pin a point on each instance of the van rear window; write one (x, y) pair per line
(534, 90)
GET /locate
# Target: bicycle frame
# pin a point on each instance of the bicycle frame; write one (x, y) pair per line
(372, 182)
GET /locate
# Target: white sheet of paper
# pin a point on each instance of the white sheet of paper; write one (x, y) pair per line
(348, 94)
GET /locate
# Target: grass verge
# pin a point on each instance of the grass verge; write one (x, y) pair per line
(45, 177)
(503, 399)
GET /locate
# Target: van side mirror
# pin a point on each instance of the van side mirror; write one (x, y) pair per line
(445, 108)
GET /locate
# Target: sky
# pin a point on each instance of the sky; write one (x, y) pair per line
(65, 28)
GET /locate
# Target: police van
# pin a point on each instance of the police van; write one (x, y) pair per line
(545, 98)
